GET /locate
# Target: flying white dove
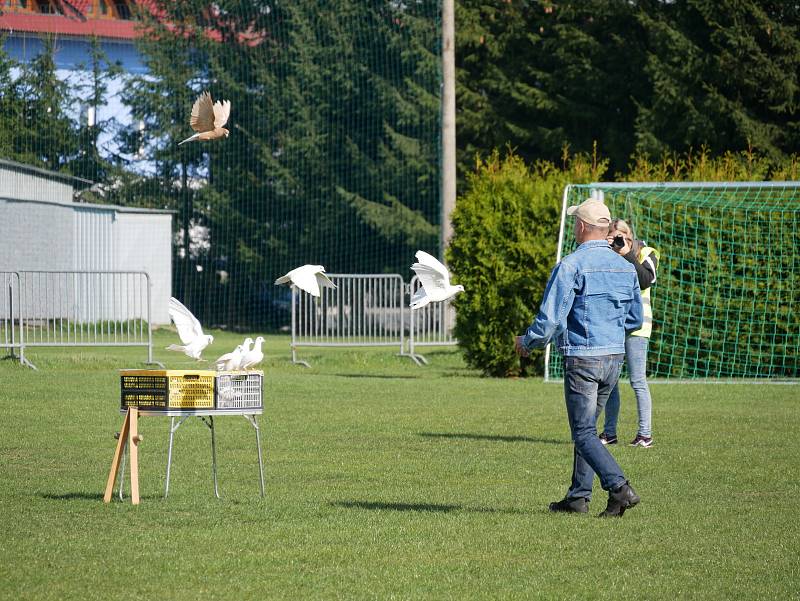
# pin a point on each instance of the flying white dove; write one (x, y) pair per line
(208, 118)
(435, 280)
(308, 278)
(189, 330)
(230, 361)
(253, 357)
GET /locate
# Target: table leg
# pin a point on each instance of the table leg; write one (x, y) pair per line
(254, 423)
(214, 455)
(173, 427)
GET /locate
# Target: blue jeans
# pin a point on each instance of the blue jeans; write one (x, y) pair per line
(587, 383)
(636, 356)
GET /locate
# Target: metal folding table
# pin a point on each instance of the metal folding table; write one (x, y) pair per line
(207, 417)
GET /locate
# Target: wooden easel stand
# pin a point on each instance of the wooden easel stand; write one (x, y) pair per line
(129, 434)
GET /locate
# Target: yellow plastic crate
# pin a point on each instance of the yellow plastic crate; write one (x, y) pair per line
(166, 389)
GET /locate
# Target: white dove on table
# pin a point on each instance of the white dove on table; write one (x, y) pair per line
(189, 329)
(435, 280)
(254, 356)
(208, 118)
(248, 342)
(308, 278)
(230, 361)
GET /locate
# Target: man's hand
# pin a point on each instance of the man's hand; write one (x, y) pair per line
(521, 350)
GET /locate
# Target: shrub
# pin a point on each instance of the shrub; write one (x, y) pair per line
(503, 250)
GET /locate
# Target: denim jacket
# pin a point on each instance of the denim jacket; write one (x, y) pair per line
(591, 301)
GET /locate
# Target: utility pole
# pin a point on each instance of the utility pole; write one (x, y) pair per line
(448, 190)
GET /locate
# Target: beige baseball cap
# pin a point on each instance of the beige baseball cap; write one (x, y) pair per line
(592, 211)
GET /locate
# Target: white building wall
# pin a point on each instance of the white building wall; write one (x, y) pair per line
(35, 236)
(41, 229)
(94, 239)
(144, 243)
(95, 297)
(22, 185)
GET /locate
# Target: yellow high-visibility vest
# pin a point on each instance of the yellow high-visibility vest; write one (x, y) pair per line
(647, 323)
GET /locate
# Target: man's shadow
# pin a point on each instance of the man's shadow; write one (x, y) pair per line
(418, 507)
(491, 437)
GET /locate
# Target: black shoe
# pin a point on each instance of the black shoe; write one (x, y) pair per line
(619, 500)
(570, 505)
(642, 441)
(606, 439)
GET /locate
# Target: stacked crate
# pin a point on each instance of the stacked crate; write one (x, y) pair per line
(191, 390)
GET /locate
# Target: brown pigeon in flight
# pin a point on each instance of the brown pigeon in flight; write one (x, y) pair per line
(208, 118)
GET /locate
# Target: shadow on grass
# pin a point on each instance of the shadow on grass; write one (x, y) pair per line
(71, 496)
(492, 437)
(89, 496)
(418, 507)
(379, 376)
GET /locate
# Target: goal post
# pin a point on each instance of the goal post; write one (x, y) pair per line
(726, 302)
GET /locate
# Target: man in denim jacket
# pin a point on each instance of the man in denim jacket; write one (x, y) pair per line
(591, 300)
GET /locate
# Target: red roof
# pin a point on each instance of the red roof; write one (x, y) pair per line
(74, 22)
(66, 25)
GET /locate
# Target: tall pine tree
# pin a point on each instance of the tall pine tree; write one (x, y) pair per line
(333, 153)
(722, 74)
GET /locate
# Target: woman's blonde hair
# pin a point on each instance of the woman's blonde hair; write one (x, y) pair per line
(621, 225)
(624, 227)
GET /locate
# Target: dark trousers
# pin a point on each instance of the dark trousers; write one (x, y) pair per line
(588, 381)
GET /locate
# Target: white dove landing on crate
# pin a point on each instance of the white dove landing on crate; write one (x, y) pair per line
(189, 330)
(308, 278)
(435, 280)
(230, 361)
(253, 357)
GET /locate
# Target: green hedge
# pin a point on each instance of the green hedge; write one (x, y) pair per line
(710, 320)
(503, 250)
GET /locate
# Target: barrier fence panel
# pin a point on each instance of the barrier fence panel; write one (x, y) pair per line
(80, 308)
(10, 321)
(363, 310)
(431, 325)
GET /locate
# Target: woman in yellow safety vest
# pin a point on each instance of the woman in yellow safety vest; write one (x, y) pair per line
(645, 259)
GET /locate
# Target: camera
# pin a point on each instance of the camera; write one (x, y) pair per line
(618, 242)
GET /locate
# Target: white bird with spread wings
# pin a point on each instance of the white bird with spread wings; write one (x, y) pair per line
(435, 280)
(189, 329)
(208, 118)
(308, 278)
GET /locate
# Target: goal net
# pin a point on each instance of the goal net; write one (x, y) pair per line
(725, 302)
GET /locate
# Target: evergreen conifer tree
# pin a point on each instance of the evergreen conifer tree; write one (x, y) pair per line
(50, 136)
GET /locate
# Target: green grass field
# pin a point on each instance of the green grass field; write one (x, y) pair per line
(385, 480)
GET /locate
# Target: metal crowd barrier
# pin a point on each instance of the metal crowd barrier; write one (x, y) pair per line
(363, 310)
(10, 317)
(75, 308)
(431, 325)
(368, 310)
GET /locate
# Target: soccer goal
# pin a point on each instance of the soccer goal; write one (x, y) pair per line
(726, 302)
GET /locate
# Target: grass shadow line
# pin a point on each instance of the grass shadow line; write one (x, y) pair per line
(491, 437)
(383, 506)
(377, 376)
(419, 507)
(87, 496)
(71, 496)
